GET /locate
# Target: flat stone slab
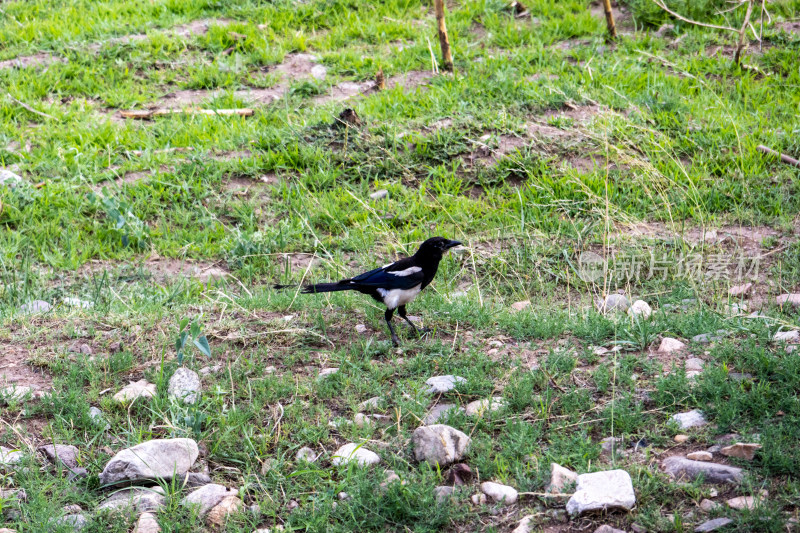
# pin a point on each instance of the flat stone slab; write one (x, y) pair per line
(208, 496)
(141, 499)
(682, 468)
(612, 489)
(741, 450)
(500, 493)
(713, 525)
(138, 389)
(63, 453)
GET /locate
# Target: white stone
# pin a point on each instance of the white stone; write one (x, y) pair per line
(525, 525)
(9, 456)
(355, 453)
(612, 302)
(601, 491)
(361, 329)
(9, 179)
(184, 385)
(380, 194)
(743, 502)
(708, 505)
(791, 299)
(372, 404)
(792, 336)
(438, 412)
(640, 308)
(139, 389)
(442, 384)
(713, 525)
(694, 364)
(499, 493)
(443, 493)
(690, 419)
(77, 302)
(218, 515)
(325, 372)
(36, 306)
(319, 72)
(561, 479)
(670, 345)
(147, 523)
(740, 290)
(480, 407)
(700, 456)
(306, 454)
(15, 393)
(439, 444)
(207, 497)
(139, 498)
(154, 459)
(519, 306)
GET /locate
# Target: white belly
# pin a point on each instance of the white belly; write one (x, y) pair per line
(394, 298)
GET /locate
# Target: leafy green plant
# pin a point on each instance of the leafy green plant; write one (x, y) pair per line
(130, 228)
(194, 333)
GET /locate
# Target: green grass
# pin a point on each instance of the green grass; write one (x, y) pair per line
(671, 127)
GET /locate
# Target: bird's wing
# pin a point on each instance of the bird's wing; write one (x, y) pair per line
(400, 275)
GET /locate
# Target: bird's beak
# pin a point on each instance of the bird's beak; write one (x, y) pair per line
(453, 244)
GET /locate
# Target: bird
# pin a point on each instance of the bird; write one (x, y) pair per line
(394, 285)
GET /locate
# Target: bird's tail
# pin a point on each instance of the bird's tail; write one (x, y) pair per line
(319, 287)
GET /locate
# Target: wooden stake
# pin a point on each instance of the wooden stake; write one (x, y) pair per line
(783, 157)
(612, 28)
(447, 58)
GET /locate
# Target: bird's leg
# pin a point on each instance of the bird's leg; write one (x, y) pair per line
(388, 316)
(402, 312)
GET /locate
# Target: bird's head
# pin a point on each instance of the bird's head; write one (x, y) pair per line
(436, 247)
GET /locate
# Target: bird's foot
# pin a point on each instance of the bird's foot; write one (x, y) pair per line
(423, 331)
(395, 341)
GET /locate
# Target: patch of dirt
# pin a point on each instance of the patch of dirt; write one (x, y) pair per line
(299, 66)
(129, 178)
(790, 27)
(581, 114)
(411, 79)
(15, 370)
(192, 29)
(242, 185)
(749, 238)
(165, 268)
(37, 60)
(344, 91)
(235, 155)
(622, 18)
(485, 155)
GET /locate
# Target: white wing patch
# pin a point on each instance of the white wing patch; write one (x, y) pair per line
(406, 272)
(394, 298)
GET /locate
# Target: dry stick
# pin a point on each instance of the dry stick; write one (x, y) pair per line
(444, 41)
(145, 114)
(743, 33)
(29, 108)
(783, 157)
(612, 28)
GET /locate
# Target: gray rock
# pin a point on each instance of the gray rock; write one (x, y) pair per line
(80, 347)
(195, 479)
(791, 336)
(713, 525)
(682, 468)
(788, 299)
(155, 459)
(147, 523)
(706, 338)
(611, 445)
(15, 393)
(306, 454)
(356, 453)
(442, 384)
(689, 419)
(694, 364)
(500, 493)
(561, 479)
(9, 179)
(613, 303)
(139, 389)
(641, 309)
(525, 525)
(10, 457)
(373, 404)
(709, 505)
(77, 521)
(36, 306)
(325, 372)
(60, 452)
(670, 345)
(361, 329)
(443, 493)
(605, 528)
(184, 385)
(438, 412)
(96, 414)
(611, 489)
(140, 499)
(741, 450)
(77, 473)
(380, 194)
(439, 444)
(481, 407)
(207, 497)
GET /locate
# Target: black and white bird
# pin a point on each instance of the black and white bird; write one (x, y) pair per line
(395, 285)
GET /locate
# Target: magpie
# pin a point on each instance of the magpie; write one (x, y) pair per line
(394, 285)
